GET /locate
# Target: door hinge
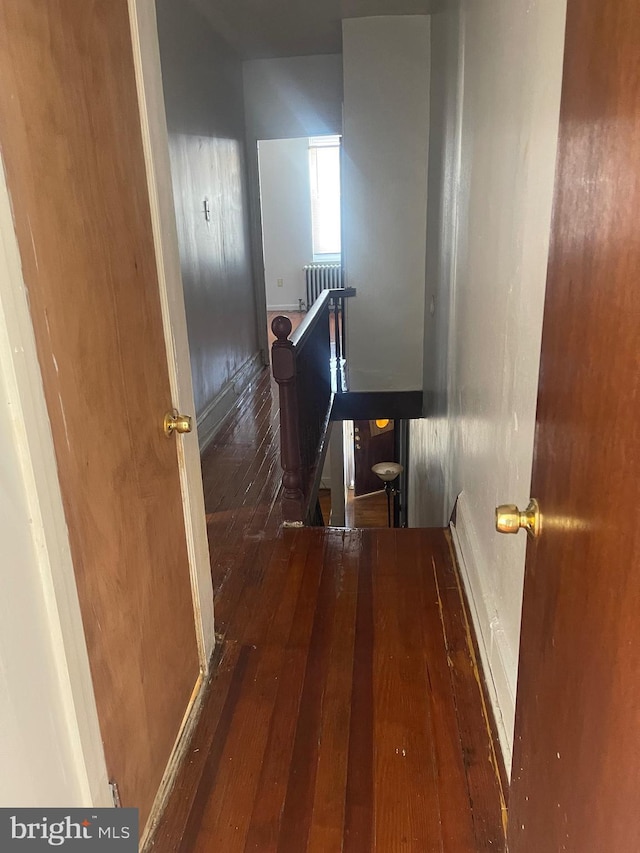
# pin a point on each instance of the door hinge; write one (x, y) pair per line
(115, 794)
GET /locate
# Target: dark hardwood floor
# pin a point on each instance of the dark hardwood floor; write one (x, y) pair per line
(242, 476)
(345, 712)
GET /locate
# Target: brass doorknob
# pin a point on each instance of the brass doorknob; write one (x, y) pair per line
(173, 422)
(509, 519)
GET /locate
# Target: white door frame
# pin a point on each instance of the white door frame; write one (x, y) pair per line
(155, 139)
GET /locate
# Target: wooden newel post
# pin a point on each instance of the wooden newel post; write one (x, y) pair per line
(283, 365)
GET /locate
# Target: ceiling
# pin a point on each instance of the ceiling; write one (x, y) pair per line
(261, 29)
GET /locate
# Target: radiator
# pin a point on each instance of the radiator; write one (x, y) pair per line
(321, 277)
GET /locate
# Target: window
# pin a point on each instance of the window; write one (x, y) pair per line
(324, 178)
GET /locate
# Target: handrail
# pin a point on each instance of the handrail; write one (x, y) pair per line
(314, 313)
(302, 367)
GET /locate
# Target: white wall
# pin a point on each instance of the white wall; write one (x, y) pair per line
(511, 61)
(384, 191)
(286, 220)
(36, 754)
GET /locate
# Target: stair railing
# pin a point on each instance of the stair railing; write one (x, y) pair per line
(308, 367)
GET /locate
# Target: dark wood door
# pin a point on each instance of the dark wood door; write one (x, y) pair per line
(371, 445)
(576, 766)
(72, 149)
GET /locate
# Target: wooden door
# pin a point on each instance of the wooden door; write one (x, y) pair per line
(576, 765)
(72, 149)
(371, 445)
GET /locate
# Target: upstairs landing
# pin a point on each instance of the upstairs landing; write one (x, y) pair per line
(345, 711)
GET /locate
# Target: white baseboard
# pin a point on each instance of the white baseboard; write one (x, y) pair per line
(290, 307)
(217, 410)
(495, 655)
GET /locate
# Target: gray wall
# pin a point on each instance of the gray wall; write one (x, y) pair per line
(293, 97)
(429, 438)
(203, 90)
(384, 198)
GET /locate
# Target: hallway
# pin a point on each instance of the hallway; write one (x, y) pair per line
(345, 711)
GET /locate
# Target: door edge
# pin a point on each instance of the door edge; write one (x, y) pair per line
(175, 762)
(155, 140)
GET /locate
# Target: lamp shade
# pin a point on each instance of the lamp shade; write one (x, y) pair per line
(387, 471)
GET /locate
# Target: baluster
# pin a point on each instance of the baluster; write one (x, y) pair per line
(283, 363)
(337, 305)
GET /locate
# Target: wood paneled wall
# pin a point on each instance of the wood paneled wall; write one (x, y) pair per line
(202, 81)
